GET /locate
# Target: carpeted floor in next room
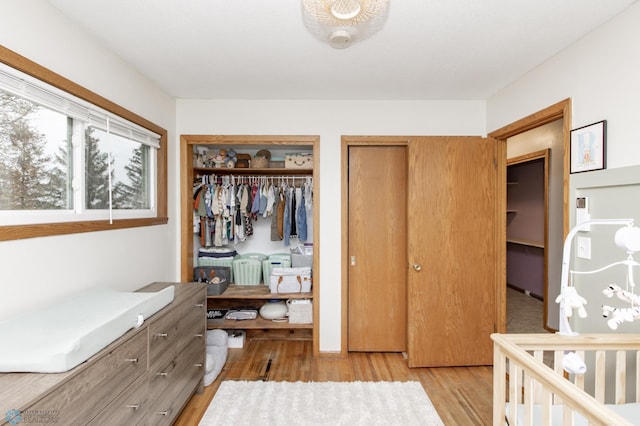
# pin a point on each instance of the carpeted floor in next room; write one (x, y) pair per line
(524, 313)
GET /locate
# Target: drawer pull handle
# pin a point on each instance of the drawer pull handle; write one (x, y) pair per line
(161, 334)
(162, 374)
(199, 305)
(199, 335)
(134, 406)
(197, 365)
(132, 359)
(163, 413)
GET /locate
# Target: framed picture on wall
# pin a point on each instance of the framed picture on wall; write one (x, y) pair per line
(588, 147)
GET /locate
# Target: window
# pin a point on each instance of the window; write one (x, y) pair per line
(71, 161)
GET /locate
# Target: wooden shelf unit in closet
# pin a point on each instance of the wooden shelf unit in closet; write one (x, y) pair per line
(253, 295)
(248, 294)
(252, 171)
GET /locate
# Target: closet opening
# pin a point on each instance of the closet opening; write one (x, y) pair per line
(527, 236)
(535, 131)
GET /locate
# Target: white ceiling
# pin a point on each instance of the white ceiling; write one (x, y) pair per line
(260, 49)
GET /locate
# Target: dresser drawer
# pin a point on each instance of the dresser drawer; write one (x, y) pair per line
(187, 371)
(192, 326)
(162, 375)
(163, 335)
(77, 400)
(130, 408)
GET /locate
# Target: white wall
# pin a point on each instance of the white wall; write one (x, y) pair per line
(329, 120)
(35, 271)
(600, 74)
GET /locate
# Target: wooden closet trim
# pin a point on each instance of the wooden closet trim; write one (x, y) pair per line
(559, 110)
(186, 200)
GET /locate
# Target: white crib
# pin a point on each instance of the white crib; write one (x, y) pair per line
(526, 391)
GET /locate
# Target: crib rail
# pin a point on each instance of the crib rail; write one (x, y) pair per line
(522, 378)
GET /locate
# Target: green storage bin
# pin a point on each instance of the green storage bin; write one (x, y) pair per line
(247, 271)
(257, 256)
(285, 256)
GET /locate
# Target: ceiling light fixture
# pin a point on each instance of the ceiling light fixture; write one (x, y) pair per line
(341, 22)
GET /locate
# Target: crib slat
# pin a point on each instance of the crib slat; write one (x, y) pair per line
(557, 361)
(557, 367)
(499, 379)
(536, 386)
(600, 371)
(528, 399)
(514, 391)
(547, 402)
(621, 376)
(567, 416)
(578, 379)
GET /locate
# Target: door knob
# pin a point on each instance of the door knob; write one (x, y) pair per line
(417, 267)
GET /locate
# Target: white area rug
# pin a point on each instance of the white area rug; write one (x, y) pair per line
(320, 403)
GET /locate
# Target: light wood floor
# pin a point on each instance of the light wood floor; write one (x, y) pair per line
(461, 395)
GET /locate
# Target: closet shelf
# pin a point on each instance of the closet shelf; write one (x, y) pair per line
(235, 291)
(246, 295)
(525, 243)
(256, 324)
(273, 171)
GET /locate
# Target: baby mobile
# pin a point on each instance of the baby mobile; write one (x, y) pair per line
(626, 238)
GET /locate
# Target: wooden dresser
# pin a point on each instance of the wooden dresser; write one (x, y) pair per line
(143, 378)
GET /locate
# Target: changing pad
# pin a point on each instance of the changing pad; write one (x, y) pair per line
(61, 336)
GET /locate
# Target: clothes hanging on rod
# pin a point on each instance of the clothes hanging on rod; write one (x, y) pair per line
(226, 206)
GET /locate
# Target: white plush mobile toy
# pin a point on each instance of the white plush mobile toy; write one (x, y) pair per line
(571, 300)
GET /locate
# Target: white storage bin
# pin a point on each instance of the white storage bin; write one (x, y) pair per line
(301, 260)
(236, 339)
(300, 311)
(290, 280)
(269, 264)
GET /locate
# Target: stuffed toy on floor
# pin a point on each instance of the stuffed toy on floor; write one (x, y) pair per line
(217, 347)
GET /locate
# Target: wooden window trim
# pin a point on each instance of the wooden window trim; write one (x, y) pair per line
(16, 232)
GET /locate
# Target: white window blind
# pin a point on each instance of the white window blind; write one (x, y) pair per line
(23, 85)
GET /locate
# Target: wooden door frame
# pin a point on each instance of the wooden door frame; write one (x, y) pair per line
(346, 142)
(557, 111)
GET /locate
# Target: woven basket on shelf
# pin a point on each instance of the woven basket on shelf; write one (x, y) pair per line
(259, 163)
